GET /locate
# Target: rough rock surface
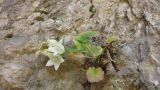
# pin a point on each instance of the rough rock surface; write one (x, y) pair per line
(26, 23)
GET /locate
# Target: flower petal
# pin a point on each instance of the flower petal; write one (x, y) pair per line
(56, 67)
(50, 63)
(51, 42)
(57, 61)
(52, 49)
(59, 48)
(55, 46)
(55, 53)
(61, 41)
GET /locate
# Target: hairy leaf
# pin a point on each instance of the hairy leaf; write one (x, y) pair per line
(93, 50)
(78, 44)
(83, 37)
(110, 40)
(94, 74)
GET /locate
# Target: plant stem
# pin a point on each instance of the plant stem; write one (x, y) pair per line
(112, 61)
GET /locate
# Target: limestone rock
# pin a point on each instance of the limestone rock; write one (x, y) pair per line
(136, 24)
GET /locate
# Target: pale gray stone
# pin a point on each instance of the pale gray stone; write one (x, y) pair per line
(136, 24)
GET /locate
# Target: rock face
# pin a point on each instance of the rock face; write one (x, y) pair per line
(26, 23)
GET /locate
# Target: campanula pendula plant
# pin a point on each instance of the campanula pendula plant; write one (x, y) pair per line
(83, 46)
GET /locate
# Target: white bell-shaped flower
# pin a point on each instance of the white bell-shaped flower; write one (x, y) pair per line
(56, 47)
(56, 61)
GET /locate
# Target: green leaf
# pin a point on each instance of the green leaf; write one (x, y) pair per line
(83, 37)
(94, 74)
(71, 49)
(82, 43)
(110, 40)
(94, 50)
(78, 45)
